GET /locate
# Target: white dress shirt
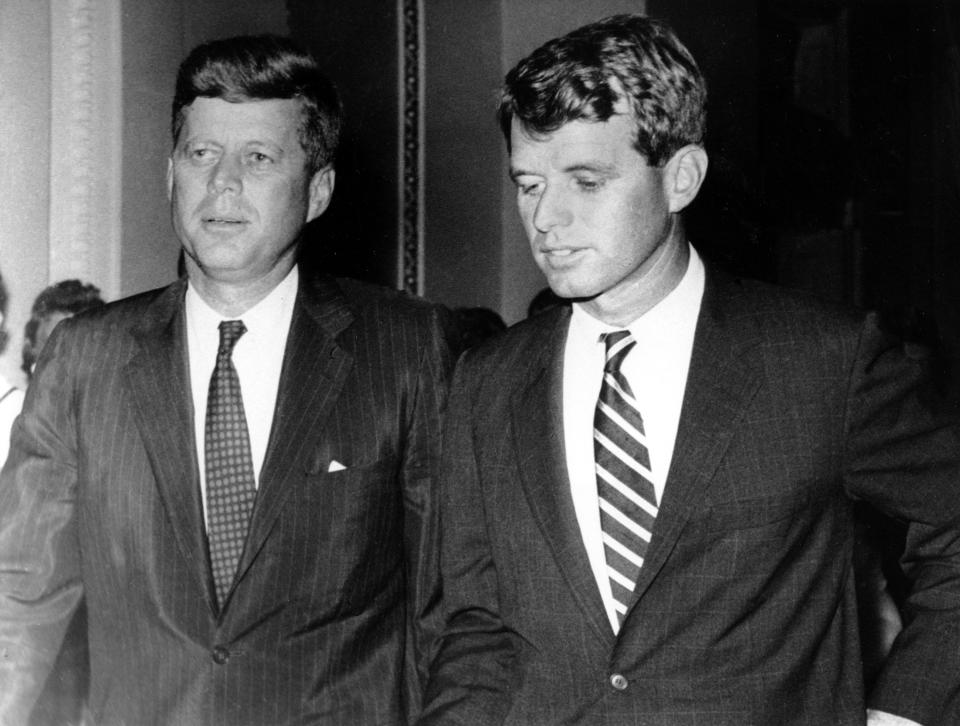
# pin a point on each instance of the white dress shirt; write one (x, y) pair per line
(257, 357)
(656, 369)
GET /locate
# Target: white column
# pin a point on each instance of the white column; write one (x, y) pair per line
(85, 143)
(25, 171)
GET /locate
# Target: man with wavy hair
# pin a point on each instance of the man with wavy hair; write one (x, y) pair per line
(648, 491)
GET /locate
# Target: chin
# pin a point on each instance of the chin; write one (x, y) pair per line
(570, 290)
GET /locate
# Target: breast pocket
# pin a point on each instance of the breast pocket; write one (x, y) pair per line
(342, 532)
(352, 482)
(746, 538)
(752, 513)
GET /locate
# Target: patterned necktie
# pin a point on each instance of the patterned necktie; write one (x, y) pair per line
(628, 501)
(231, 486)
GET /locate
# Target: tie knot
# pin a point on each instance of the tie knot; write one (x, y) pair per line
(230, 332)
(618, 343)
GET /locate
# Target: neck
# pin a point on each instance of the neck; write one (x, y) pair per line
(232, 298)
(667, 267)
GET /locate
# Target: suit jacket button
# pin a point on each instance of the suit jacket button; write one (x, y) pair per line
(618, 681)
(220, 655)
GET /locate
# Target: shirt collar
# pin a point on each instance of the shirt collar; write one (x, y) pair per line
(261, 317)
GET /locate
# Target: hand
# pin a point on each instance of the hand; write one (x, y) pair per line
(882, 718)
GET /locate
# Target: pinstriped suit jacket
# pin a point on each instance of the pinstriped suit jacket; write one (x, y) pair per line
(336, 594)
(744, 612)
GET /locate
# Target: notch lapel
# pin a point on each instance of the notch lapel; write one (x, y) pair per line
(157, 381)
(721, 382)
(312, 377)
(543, 471)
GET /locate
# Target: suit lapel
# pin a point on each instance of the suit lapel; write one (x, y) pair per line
(543, 472)
(157, 382)
(314, 369)
(720, 383)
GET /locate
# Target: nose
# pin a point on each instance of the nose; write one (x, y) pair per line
(226, 175)
(551, 211)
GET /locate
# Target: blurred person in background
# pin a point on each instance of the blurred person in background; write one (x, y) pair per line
(55, 303)
(11, 397)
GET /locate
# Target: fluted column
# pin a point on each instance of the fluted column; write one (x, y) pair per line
(85, 142)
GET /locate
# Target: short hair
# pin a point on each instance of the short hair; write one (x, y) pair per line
(70, 297)
(263, 67)
(582, 76)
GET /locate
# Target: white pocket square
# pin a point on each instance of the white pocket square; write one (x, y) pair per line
(335, 466)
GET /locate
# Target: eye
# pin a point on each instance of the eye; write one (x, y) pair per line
(200, 154)
(259, 159)
(529, 189)
(588, 184)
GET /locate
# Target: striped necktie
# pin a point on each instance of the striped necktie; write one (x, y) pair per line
(628, 501)
(231, 486)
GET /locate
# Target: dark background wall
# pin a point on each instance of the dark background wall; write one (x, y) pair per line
(834, 137)
(357, 43)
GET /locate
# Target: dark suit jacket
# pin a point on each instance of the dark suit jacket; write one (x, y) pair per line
(337, 591)
(744, 611)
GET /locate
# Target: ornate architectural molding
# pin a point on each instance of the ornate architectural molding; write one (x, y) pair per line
(85, 141)
(411, 156)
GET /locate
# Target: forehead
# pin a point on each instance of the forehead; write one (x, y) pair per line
(576, 143)
(274, 120)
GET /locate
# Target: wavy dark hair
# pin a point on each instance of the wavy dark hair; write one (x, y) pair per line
(68, 296)
(262, 67)
(582, 76)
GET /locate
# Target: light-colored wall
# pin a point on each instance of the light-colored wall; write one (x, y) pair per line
(25, 150)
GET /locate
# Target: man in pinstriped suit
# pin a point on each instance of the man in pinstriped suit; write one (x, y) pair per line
(320, 518)
(648, 494)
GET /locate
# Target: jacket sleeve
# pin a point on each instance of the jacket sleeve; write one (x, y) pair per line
(903, 456)
(473, 674)
(39, 562)
(421, 474)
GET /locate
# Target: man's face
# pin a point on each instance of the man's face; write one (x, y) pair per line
(239, 188)
(597, 216)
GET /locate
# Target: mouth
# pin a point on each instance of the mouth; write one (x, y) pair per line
(223, 224)
(560, 253)
(223, 220)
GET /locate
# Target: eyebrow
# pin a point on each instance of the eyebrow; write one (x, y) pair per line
(597, 167)
(594, 167)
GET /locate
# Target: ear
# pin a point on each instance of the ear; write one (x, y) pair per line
(320, 192)
(683, 175)
(169, 178)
